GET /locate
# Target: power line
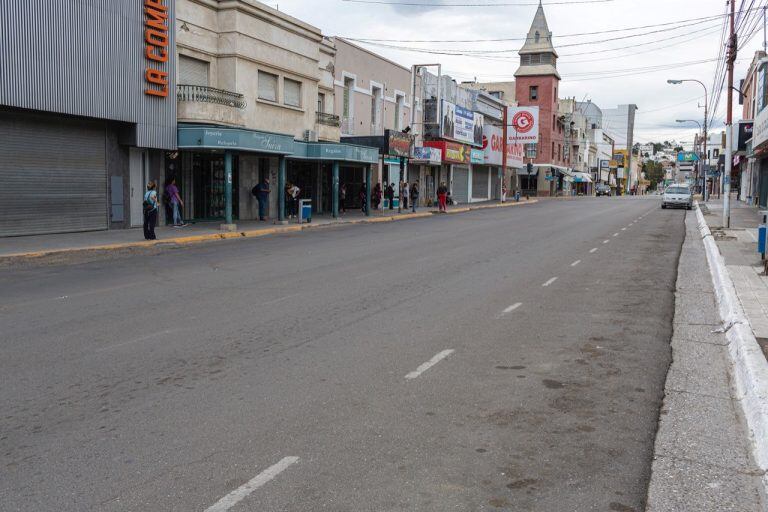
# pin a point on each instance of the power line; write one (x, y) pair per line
(626, 29)
(505, 4)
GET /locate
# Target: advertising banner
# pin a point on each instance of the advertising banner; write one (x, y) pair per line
(461, 125)
(523, 124)
(687, 157)
(432, 156)
(493, 148)
(453, 153)
(476, 156)
(745, 133)
(398, 143)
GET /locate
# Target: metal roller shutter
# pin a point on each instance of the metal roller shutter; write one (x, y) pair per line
(192, 71)
(480, 183)
(53, 175)
(460, 190)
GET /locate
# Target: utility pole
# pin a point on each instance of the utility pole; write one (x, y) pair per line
(505, 118)
(732, 51)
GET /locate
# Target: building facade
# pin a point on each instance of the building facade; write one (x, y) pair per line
(256, 102)
(86, 114)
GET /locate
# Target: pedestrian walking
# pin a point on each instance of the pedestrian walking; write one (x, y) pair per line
(414, 196)
(363, 196)
(343, 198)
(261, 191)
(292, 192)
(442, 197)
(390, 195)
(376, 196)
(177, 204)
(404, 194)
(150, 211)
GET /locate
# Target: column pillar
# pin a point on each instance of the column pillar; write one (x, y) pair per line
(368, 178)
(281, 177)
(335, 190)
(228, 221)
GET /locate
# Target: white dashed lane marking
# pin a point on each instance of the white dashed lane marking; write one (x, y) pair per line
(242, 492)
(429, 364)
(549, 282)
(575, 263)
(593, 251)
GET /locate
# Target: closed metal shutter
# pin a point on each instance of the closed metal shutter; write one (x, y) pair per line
(192, 71)
(53, 175)
(480, 183)
(460, 191)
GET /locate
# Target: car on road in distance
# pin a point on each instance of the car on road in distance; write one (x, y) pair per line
(677, 196)
(602, 190)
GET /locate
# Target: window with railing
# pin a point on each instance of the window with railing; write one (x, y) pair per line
(328, 119)
(203, 94)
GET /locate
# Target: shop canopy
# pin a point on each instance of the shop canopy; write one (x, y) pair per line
(242, 140)
(581, 177)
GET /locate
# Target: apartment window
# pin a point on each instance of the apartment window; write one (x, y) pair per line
(553, 149)
(292, 92)
(559, 151)
(399, 109)
(192, 71)
(321, 102)
(267, 86)
(533, 92)
(348, 86)
(375, 107)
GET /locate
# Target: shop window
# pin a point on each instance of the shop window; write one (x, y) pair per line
(533, 92)
(267, 86)
(292, 93)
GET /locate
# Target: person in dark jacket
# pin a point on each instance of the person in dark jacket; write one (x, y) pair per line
(389, 195)
(261, 191)
(376, 196)
(442, 197)
(414, 195)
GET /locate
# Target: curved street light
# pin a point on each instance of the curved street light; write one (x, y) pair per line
(706, 115)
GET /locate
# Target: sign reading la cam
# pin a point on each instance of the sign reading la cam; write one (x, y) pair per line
(156, 47)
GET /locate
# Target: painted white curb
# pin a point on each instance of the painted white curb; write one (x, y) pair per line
(750, 368)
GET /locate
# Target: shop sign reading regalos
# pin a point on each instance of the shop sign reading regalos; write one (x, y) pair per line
(156, 47)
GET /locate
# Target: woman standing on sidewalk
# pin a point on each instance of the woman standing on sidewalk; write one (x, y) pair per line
(442, 197)
(414, 196)
(150, 211)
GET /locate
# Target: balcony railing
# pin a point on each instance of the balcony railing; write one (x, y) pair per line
(204, 94)
(328, 119)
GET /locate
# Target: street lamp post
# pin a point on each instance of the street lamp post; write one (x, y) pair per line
(706, 115)
(701, 164)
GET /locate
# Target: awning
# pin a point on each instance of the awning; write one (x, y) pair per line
(582, 177)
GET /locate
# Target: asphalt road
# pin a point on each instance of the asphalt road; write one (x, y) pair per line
(423, 365)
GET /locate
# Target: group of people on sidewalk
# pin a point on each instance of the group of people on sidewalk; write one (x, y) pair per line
(409, 194)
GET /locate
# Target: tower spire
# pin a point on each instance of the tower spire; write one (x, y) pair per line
(538, 55)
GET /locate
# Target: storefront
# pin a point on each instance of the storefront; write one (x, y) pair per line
(455, 168)
(493, 152)
(215, 163)
(395, 151)
(425, 167)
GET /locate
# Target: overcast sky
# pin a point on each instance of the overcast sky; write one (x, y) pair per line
(589, 71)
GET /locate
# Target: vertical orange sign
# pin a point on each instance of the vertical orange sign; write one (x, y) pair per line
(156, 49)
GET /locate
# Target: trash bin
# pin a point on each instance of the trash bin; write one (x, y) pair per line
(305, 210)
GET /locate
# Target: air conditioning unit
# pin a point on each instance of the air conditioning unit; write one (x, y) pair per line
(310, 136)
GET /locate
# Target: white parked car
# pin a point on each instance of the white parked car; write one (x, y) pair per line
(677, 196)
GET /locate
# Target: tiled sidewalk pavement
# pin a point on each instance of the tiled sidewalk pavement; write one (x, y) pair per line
(738, 245)
(702, 456)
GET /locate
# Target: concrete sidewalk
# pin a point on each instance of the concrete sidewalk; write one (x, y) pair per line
(738, 246)
(28, 247)
(703, 454)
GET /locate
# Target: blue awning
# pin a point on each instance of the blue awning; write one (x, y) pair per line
(240, 139)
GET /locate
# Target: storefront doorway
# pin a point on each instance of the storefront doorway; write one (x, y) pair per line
(201, 181)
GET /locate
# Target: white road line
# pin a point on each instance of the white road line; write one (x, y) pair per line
(593, 251)
(623, 229)
(615, 234)
(242, 492)
(606, 241)
(429, 364)
(511, 308)
(752, 235)
(575, 263)
(549, 282)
